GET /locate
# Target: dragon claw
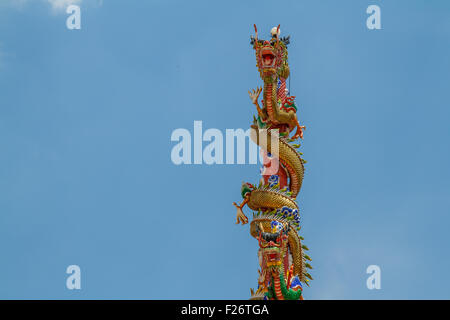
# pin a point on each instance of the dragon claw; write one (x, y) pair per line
(241, 218)
(254, 94)
(299, 132)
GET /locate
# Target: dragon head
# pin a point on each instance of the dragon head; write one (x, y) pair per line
(280, 248)
(273, 245)
(282, 262)
(271, 56)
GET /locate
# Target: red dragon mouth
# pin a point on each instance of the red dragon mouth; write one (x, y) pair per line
(273, 256)
(267, 58)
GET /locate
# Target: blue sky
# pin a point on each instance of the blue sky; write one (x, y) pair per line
(86, 118)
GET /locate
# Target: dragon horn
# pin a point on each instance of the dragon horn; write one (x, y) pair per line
(278, 37)
(256, 33)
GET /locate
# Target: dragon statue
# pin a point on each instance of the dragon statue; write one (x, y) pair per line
(276, 219)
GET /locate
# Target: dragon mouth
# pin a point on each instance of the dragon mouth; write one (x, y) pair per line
(267, 58)
(272, 257)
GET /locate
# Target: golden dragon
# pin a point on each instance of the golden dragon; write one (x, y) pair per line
(276, 218)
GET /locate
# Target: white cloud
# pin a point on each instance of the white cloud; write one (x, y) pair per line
(61, 5)
(56, 6)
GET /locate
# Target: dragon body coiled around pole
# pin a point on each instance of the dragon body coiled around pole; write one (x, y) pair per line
(276, 218)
